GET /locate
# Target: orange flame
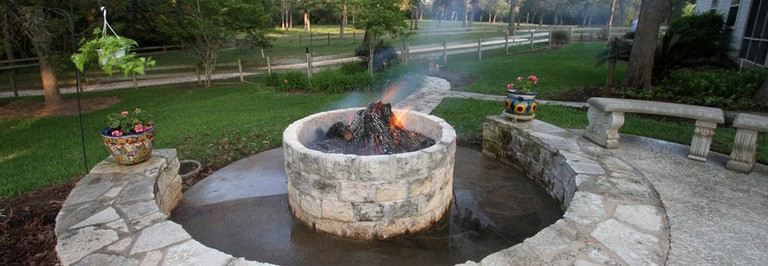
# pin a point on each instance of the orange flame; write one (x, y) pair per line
(391, 92)
(399, 118)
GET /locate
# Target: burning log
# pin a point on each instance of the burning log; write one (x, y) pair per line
(339, 130)
(374, 130)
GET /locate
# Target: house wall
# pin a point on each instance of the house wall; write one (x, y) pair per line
(737, 31)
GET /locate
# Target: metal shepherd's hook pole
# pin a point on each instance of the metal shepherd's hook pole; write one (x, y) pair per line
(78, 85)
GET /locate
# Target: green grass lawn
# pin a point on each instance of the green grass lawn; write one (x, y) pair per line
(467, 117)
(569, 67)
(215, 126)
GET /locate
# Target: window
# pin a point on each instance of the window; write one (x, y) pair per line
(754, 45)
(713, 6)
(733, 11)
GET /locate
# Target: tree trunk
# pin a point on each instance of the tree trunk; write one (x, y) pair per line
(416, 23)
(472, 14)
(762, 94)
(639, 72)
(620, 17)
(440, 9)
(343, 18)
(50, 83)
(370, 53)
(8, 45)
(307, 25)
(512, 14)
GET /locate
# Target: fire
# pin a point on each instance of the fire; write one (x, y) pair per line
(398, 119)
(390, 93)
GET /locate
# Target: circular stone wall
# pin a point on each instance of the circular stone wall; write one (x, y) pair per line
(372, 196)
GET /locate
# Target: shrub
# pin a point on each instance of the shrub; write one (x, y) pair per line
(707, 23)
(691, 41)
(561, 37)
(720, 88)
(289, 81)
(384, 56)
(352, 68)
(338, 80)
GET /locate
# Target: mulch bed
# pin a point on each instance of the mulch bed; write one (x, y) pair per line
(68, 107)
(27, 224)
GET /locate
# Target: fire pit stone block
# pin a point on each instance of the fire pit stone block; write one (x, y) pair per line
(369, 197)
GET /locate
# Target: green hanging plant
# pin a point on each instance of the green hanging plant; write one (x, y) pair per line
(111, 52)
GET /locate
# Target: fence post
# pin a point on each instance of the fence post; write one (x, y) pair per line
(309, 64)
(445, 53)
(269, 67)
(135, 82)
(406, 54)
(329, 38)
(506, 44)
(550, 38)
(532, 39)
(240, 69)
(197, 73)
(581, 36)
(570, 34)
(354, 35)
(13, 84)
(479, 50)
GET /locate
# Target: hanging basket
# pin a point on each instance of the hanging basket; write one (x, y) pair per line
(104, 59)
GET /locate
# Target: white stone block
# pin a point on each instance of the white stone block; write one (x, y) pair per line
(633, 247)
(194, 253)
(645, 217)
(586, 208)
(337, 210)
(391, 191)
(159, 236)
(82, 242)
(105, 216)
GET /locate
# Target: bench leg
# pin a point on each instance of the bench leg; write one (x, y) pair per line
(744, 151)
(604, 127)
(702, 139)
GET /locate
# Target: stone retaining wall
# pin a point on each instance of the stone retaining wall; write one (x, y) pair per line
(118, 215)
(613, 215)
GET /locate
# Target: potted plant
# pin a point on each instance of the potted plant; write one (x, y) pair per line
(520, 103)
(130, 136)
(111, 51)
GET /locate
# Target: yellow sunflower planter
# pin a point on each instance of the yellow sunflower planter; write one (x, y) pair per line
(520, 103)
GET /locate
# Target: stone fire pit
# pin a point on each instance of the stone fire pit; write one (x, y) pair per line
(369, 197)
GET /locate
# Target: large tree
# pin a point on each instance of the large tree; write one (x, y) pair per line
(379, 18)
(208, 25)
(639, 72)
(42, 25)
(512, 14)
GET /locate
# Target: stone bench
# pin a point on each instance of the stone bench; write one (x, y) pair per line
(606, 116)
(746, 141)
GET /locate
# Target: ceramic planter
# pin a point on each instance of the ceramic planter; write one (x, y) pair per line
(132, 148)
(520, 106)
